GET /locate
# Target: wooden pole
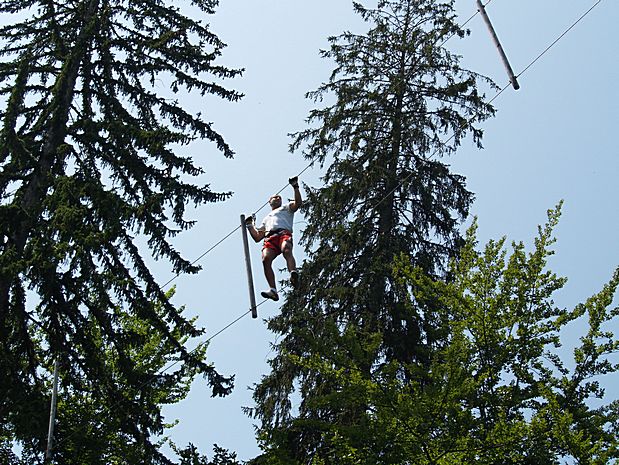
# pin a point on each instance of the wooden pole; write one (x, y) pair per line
(510, 72)
(52, 415)
(250, 279)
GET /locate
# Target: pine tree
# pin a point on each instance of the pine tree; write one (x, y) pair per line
(402, 103)
(93, 156)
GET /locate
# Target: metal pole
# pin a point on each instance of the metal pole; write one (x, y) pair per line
(250, 278)
(52, 415)
(510, 72)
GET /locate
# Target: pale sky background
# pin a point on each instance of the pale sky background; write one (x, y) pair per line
(553, 139)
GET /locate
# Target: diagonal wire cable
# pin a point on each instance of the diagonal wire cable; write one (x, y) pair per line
(200, 345)
(236, 228)
(499, 92)
(560, 37)
(309, 165)
(203, 255)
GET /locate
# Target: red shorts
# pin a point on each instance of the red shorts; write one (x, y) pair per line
(276, 241)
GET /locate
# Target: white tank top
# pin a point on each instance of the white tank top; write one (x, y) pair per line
(280, 218)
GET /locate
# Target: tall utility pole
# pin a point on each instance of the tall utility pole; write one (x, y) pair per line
(510, 72)
(52, 416)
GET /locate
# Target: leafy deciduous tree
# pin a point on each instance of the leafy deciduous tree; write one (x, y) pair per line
(498, 389)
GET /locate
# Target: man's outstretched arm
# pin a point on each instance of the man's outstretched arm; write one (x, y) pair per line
(256, 235)
(296, 203)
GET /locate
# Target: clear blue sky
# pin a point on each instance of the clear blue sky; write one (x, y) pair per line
(553, 139)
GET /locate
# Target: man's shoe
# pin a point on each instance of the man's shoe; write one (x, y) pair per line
(270, 294)
(294, 278)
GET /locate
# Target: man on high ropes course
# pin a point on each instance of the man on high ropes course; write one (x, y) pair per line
(276, 230)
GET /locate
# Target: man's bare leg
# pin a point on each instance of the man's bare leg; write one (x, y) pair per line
(287, 253)
(291, 262)
(268, 255)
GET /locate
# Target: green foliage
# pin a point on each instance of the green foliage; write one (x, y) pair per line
(93, 154)
(500, 381)
(91, 432)
(191, 456)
